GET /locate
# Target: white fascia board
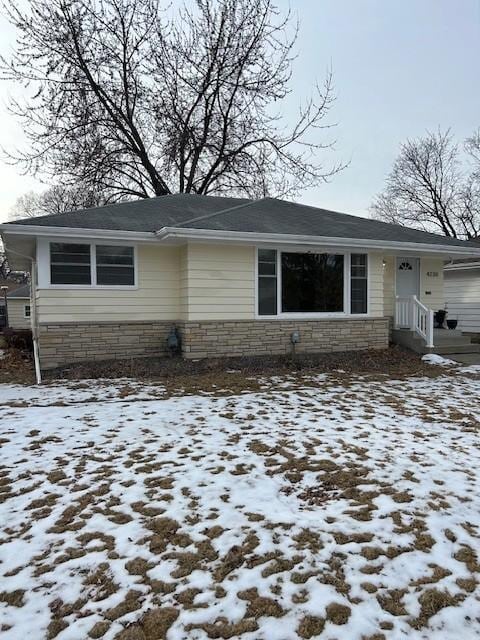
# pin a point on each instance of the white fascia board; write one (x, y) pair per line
(462, 266)
(285, 239)
(181, 233)
(69, 232)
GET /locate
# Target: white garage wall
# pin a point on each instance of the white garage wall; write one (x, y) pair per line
(462, 294)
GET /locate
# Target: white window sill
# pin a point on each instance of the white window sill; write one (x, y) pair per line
(89, 287)
(315, 316)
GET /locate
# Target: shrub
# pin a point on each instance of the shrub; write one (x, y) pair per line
(18, 339)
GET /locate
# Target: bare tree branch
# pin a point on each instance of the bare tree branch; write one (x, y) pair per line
(138, 102)
(426, 188)
(54, 200)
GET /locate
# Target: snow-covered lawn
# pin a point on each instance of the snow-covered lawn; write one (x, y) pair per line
(336, 507)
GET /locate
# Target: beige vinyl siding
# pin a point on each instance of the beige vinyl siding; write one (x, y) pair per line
(16, 314)
(462, 295)
(183, 257)
(219, 283)
(156, 298)
(431, 286)
(375, 285)
(389, 285)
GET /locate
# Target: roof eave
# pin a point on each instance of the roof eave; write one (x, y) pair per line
(73, 232)
(463, 266)
(180, 233)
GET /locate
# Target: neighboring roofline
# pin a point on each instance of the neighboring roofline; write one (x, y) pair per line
(9, 297)
(43, 230)
(462, 266)
(290, 239)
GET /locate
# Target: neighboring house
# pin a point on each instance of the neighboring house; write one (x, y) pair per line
(462, 294)
(13, 284)
(234, 276)
(19, 309)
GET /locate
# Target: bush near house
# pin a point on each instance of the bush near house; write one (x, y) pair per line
(18, 339)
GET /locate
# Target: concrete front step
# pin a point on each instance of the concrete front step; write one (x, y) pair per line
(465, 358)
(446, 341)
(445, 349)
(451, 337)
(450, 332)
(449, 340)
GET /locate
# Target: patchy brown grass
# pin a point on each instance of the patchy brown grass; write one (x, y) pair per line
(13, 598)
(222, 628)
(259, 606)
(99, 629)
(311, 627)
(338, 613)
(431, 602)
(392, 602)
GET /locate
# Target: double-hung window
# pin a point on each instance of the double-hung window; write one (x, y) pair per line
(88, 264)
(358, 283)
(267, 282)
(311, 283)
(115, 265)
(70, 263)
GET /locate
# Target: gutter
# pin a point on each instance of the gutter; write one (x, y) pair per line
(183, 233)
(69, 232)
(289, 239)
(462, 266)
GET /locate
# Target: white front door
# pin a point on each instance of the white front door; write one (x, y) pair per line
(407, 280)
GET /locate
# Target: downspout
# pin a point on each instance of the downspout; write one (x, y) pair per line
(33, 319)
(33, 311)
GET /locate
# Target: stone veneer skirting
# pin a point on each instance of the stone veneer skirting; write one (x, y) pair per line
(68, 343)
(210, 339)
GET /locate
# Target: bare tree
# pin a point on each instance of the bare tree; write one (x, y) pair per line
(138, 102)
(427, 189)
(54, 200)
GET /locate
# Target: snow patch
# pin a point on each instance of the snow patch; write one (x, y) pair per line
(434, 358)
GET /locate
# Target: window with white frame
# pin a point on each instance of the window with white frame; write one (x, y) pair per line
(70, 263)
(27, 311)
(115, 265)
(91, 264)
(267, 282)
(358, 283)
(311, 283)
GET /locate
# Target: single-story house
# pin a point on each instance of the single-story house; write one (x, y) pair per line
(233, 276)
(462, 294)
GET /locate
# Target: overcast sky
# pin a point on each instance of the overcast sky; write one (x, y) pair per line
(400, 67)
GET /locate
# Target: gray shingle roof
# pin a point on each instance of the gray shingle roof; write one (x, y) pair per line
(20, 292)
(268, 215)
(150, 214)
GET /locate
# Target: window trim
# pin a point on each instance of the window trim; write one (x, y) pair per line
(89, 245)
(114, 286)
(27, 317)
(367, 278)
(346, 313)
(44, 273)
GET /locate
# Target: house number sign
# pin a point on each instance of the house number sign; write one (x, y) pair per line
(432, 274)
